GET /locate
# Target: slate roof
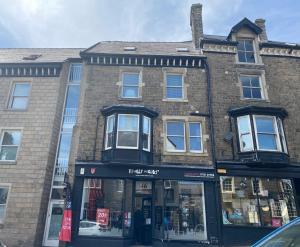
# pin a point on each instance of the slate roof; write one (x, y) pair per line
(145, 48)
(48, 55)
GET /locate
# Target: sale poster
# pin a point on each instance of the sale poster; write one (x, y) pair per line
(276, 222)
(102, 216)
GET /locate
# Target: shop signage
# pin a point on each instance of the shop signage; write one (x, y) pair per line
(143, 187)
(198, 175)
(93, 170)
(143, 172)
(102, 216)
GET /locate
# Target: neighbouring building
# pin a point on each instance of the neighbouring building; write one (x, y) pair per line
(202, 136)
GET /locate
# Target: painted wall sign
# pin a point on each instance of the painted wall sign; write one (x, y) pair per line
(143, 172)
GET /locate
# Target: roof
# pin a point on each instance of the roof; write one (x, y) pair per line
(144, 48)
(43, 55)
(245, 23)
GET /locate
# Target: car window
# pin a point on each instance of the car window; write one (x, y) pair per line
(289, 237)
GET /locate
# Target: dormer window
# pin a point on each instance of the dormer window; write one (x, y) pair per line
(246, 52)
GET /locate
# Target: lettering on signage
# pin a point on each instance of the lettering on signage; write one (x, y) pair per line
(199, 175)
(143, 172)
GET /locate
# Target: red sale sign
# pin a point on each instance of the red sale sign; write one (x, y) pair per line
(102, 216)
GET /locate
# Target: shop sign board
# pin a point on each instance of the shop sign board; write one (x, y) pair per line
(199, 174)
(143, 172)
(143, 187)
(102, 216)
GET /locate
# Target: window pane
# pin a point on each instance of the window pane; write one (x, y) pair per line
(255, 81)
(243, 124)
(184, 211)
(267, 142)
(247, 92)
(175, 128)
(174, 80)
(241, 45)
(130, 92)
(256, 93)
(110, 124)
(250, 57)
(11, 138)
(175, 143)
(145, 141)
(3, 194)
(240, 207)
(101, 211)
(146, 127)
(248, 45)
(195, 129)
(21, 89)
(195, 144)
(174, 93)
(245, 80)
(8, 153)
(127, 139)
(242, 57)
(73, 96)
(264, 125)
(130, 79)
(246, 142)
(19, 103)
(128, 122)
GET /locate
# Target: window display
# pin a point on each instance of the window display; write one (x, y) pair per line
(101, 208)
(259, 202)
(183, 211)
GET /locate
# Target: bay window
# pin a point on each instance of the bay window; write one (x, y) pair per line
(110, 123)
(146, 133)
(261, 132)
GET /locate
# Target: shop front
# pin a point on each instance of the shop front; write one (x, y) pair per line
(255, 200)
(122, 205)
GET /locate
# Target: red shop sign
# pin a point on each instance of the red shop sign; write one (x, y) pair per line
(102, 216)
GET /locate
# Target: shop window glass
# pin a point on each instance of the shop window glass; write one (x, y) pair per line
(128, 217)
(158, 210)
(184, 211)
(101, 208)
(128, 131)
(259, 202)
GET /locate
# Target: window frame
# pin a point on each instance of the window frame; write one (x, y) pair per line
(244, 51)
(12, 97)
(149, 134)
(2, 131)
(262, 92)
(138, 85)
(240, 134)
(182, 86)
(138, 131)
(277, 138)
(184, 137)
(8, 186)
(106, 131)
(200, 137)
(223, 178)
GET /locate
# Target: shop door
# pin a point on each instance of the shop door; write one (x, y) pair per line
(143, 220)
(54, 223)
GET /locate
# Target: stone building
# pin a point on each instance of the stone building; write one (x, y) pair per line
(202, 136)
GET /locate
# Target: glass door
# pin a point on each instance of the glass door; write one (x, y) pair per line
(54, 223)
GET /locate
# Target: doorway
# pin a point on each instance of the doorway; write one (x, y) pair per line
(143, 212)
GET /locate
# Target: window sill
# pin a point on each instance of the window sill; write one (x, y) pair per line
(204, 154)
(6, 162)
(255, 100)
(175, 100)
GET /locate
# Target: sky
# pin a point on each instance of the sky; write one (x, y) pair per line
(82, 23)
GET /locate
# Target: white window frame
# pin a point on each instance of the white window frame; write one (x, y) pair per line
(138, 85)
(232, 185)
(260, 87)
(260, 187)
(184, 136)
(5, 185)
(106, 130)
(149, 134)
(18, 146)
(12, 97)
(182, 86)
(282, 135)
(240, 134)
(278, 144)
(138, 132)
(254, 50)
(189, 137)
(75, 68)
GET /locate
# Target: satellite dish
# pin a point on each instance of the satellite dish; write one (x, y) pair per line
(228, 137)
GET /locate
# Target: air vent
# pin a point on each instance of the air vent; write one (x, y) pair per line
(129, 48)
(182, 49)
(32, 57)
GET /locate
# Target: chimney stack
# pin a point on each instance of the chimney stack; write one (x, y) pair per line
(196, 24)
(261, 23)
